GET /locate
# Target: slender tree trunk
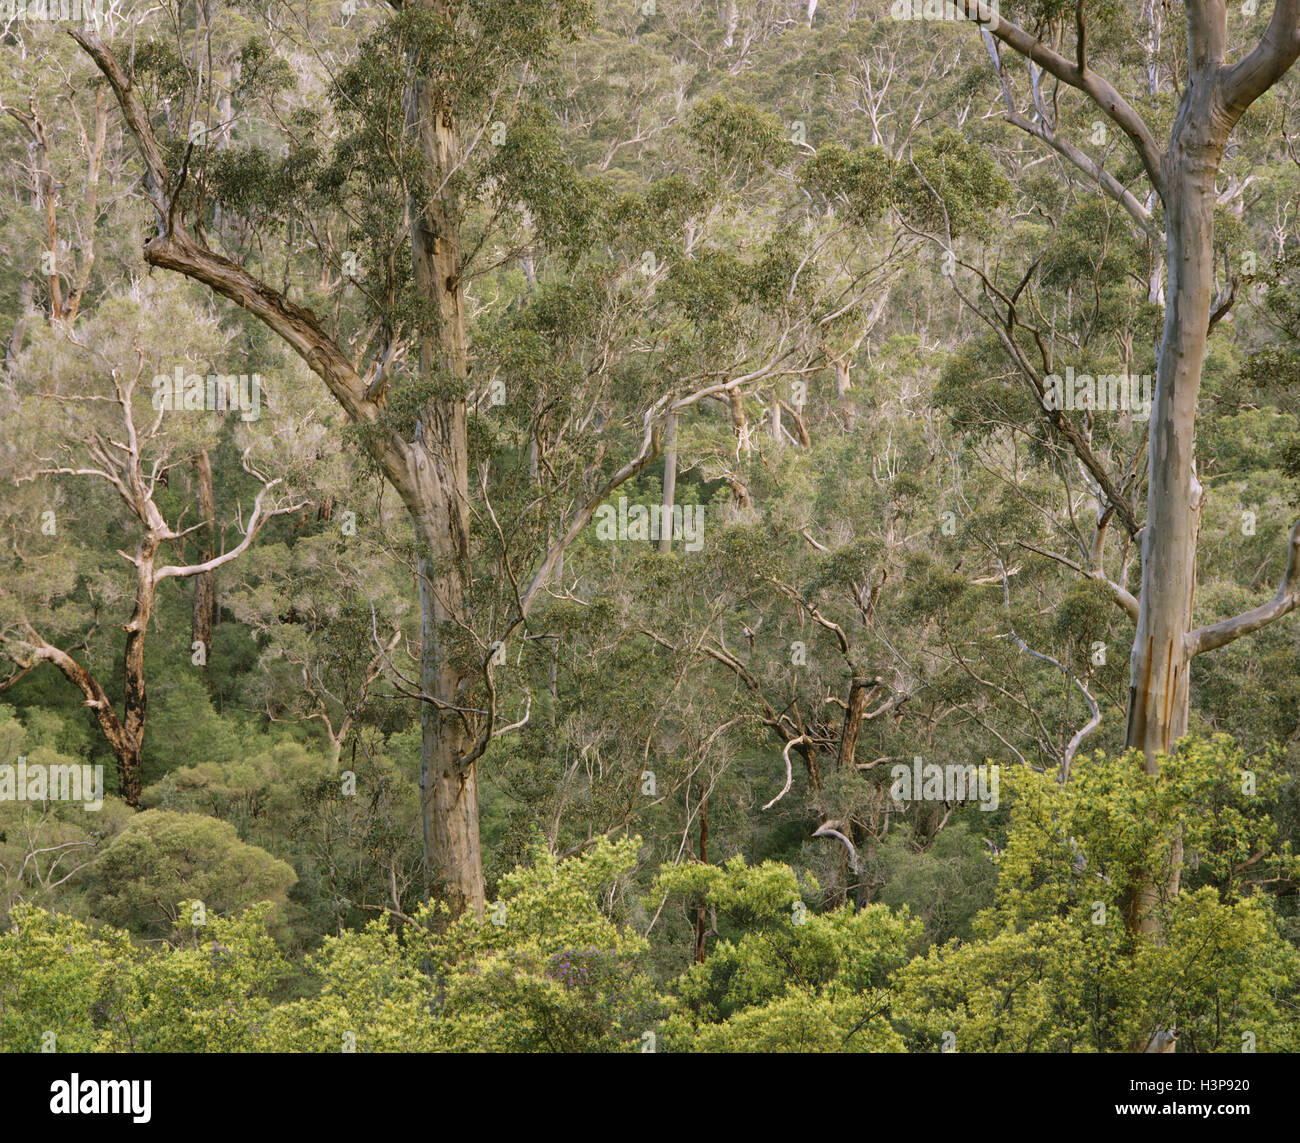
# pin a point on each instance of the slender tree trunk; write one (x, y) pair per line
(205, 583)
(429, 472)
(701, 909)
(733, 19)
(856, 708)
(739, 424)
(135, 696)
(1160, 662)
(670, 486)
(126, 752)
(23, 312)
(842, 387)
(449, 791)
(800, 425)
(553, 676)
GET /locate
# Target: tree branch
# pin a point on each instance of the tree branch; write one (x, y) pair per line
(1288, 596)
(1123, 597)
(1279, 47)
(1099, 90)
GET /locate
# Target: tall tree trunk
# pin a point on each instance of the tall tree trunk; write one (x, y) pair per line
(1160, 663)
(125, 751)
(1158, 692)
(430, 472)
(842, 387)
(449, 791)
(739, 424)
(449, 786)
(23, 313)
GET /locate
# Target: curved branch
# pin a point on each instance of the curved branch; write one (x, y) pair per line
(789, 771)
(1099, 90)
(255, 524)
(1067, 150)
(1121, 595)
(826, 831)
(1216, 635)
(1279, 47)
(1093, 722)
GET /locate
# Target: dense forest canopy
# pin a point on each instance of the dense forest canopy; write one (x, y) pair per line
(650, 526)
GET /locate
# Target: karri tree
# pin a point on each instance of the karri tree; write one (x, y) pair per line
(1216, 94)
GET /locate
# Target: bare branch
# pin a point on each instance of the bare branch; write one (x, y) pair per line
(1067, 150)
(789, 772)
(1091, 84)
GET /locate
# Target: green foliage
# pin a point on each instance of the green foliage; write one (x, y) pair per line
(1053, 966)
(861, 180)
(93, 990)
(163, 858)
(789, 980)
(735, 139)
(951, 186)
(743, 212)
(548, 969)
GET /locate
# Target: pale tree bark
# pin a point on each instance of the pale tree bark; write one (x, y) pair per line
(429, 473)
(843, 384)
(23, 314)
(375, 669)
(800, 434)
(739, 423)
(1183, 173)
(701, 906)
(1215, 98)
(65, 306)
(670, 486)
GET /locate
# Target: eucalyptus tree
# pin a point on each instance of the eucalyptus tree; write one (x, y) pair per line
(100, 440)
(1219, 86)
(438, 137)
(1217, 91)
